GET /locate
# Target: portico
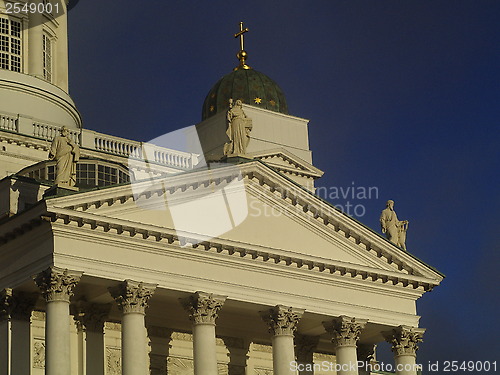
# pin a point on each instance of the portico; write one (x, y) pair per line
(213, 304)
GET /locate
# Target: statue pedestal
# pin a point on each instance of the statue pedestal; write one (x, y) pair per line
(235, 158)
(58, 190)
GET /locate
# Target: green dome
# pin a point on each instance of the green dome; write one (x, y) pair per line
(249, 85)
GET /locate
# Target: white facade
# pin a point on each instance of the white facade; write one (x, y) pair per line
(238, 269)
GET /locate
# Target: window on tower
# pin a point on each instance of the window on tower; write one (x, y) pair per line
(10, 44)
(47, 58)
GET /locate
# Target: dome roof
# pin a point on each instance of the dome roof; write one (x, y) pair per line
(249, 85)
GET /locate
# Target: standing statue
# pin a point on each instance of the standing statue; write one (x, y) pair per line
(238, 129)
(66, 153)
(394, 229)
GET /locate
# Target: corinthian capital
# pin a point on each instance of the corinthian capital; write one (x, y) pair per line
(6, 303)
(404, 339)
(91, 316)
(345, 331)
(132, 296)
(203, 308)
(282, 320)
(57, 284)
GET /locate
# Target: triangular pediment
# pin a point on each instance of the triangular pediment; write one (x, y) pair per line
(285, 161)
(249, 206)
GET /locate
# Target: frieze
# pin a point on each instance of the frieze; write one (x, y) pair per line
(262, 348)
(113, 326)
(262, 371)
(182, 336)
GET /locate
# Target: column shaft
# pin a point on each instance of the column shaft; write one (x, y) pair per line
(5, 346)
(57, 287)
(345, 333)
(57, 339)
(21, 348)
(132, 298)
(405, 364)
(404, 342)
(204, 349)
(283, 354)
(203, 309)
(94, 353)
(348, 360)
(134, 345)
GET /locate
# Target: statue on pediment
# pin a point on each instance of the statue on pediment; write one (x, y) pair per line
(394, 229)
(66, 153)
(238, 129)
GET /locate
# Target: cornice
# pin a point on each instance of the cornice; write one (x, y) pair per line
(283, 188)
(161, 236)
(256, 174)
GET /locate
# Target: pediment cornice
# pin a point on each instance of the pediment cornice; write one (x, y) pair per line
(130, 232)
(73, 208)
(285, 161)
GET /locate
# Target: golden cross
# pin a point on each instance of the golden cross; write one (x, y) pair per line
(240, 34)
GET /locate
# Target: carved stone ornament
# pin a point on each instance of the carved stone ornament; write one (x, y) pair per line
(91, 317)
(57, 284)
(132, 296)
(203, 308)
(345, 331)
(6, 303)
(282, 320)
(16, 305)
(113, 361)
(38, 353)
(404, 339)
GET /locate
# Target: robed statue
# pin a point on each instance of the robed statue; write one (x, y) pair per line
(394, 229)
(66, 153)
(238, 129)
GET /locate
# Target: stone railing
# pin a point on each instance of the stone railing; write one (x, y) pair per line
(101, 142)
(8, 122)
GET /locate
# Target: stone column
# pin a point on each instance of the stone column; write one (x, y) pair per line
(282, 322)
(132, 299)
(304, 349)
(345, 333)
(57, 287)
(21, 332)
(366, 354)
(203, 309)
(404, 342)
(6, 304)
(90, 318)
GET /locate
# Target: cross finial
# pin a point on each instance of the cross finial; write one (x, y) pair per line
(242, 54)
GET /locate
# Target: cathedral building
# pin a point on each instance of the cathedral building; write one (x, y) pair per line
(133, 258)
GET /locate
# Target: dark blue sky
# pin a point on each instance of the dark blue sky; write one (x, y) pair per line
(402, 95)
